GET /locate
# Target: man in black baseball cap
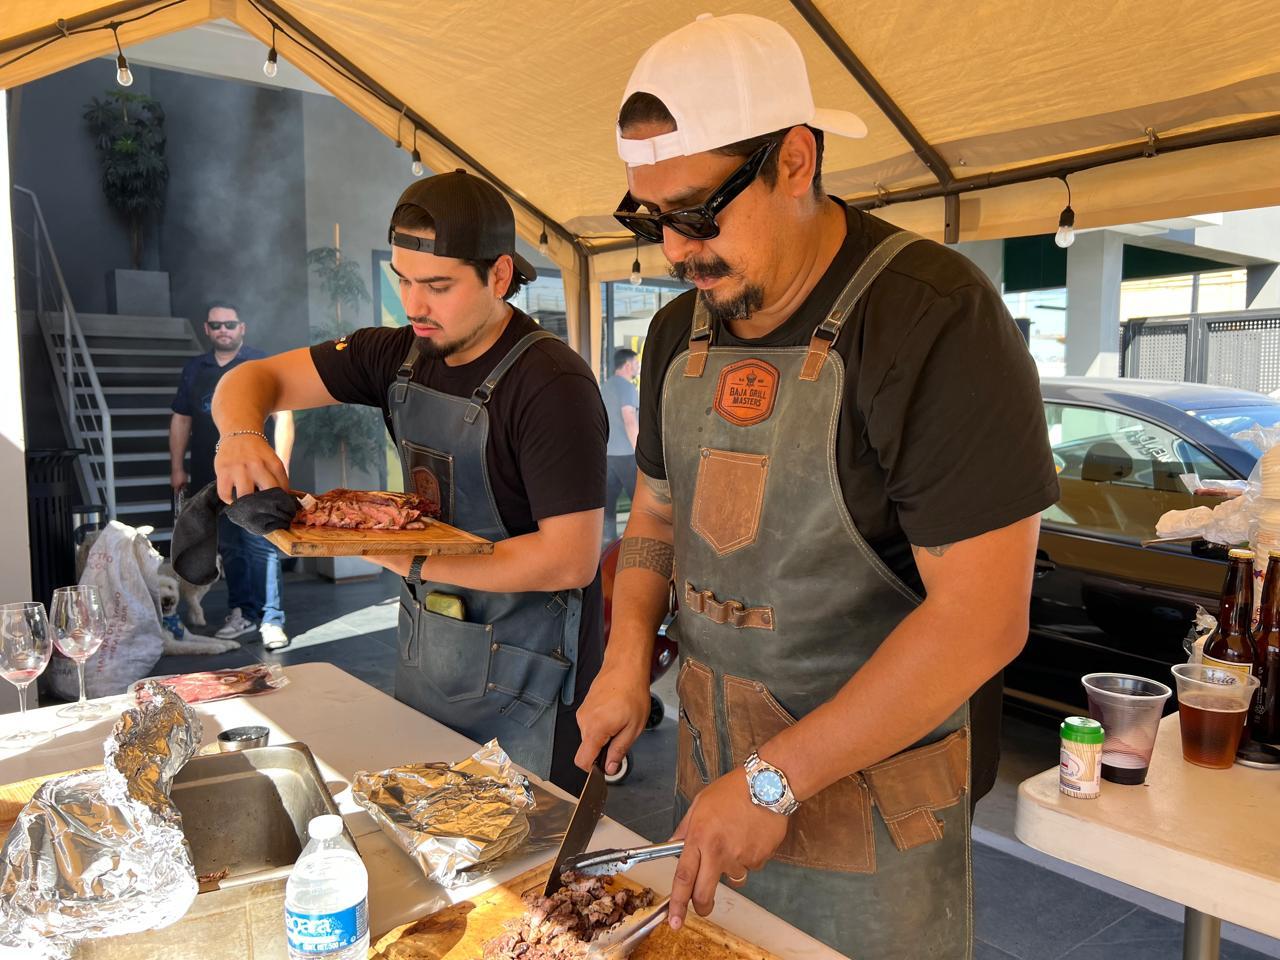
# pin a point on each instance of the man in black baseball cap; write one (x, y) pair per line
(498, 424)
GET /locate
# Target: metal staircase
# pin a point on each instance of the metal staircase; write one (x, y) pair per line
(116, 377)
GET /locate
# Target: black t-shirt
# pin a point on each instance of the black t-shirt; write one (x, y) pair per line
(941, 435)
(547, 427)
(194, 399)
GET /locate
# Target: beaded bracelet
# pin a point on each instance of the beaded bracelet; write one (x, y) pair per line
(239, 433)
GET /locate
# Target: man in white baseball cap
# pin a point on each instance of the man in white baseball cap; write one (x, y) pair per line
(843, 460)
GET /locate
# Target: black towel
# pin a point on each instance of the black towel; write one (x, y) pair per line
(195, 532)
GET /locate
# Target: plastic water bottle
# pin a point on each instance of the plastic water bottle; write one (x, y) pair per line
(326, 900)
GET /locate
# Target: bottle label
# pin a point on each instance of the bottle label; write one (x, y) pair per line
(1240, 669)
(1080, 769)
(322, 933)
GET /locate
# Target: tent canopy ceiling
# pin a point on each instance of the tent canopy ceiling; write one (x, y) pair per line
(530, 98)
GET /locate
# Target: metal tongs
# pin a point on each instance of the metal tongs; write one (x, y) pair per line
(619, 942)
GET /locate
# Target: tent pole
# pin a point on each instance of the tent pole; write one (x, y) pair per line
(1055, 169)
(927, 153)
(585, 319)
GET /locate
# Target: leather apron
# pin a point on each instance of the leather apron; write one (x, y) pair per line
(502, 670)
(781, 602)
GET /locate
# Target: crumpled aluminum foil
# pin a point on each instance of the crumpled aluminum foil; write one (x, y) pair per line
(101, 853)
(454, 818)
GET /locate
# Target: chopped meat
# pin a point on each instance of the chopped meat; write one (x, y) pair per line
(366, 510)
(561, 926)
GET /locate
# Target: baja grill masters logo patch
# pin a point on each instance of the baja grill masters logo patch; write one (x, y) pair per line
(746, 392)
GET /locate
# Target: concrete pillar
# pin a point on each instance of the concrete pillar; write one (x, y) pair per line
(1262, 287)
(1094, 268)
(15, 562)
(989, 256)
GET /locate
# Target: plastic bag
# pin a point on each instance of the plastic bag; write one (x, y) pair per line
(124, 567)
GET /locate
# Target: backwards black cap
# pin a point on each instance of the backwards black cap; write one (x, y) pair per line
(473, 221)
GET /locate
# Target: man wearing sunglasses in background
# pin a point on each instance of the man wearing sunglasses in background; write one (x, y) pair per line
(840, 421)
(251, 565)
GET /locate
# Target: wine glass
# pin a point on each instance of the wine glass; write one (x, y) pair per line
(25, 649)
(79, 625)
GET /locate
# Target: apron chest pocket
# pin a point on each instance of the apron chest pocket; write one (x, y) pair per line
(452, 655)
(728, 498)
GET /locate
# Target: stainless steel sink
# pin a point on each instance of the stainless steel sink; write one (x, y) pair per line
(247, 813)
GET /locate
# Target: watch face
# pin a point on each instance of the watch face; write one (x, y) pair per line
(767, 787)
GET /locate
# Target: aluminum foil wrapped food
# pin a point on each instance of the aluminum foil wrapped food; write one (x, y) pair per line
(101, 853)
(451, 818)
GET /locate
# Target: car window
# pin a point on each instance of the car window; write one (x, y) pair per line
(1119, 473)
(1248, 426)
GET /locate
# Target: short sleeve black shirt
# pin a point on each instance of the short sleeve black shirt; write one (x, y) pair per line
(941, 435)
(547, 430)
(194, 399)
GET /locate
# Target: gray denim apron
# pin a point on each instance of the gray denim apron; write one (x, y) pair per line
(781, 602)
(502, 669)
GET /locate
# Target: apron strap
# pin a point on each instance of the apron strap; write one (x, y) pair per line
(485, 390)
(829, 329)
(699, 340)
(400, 389)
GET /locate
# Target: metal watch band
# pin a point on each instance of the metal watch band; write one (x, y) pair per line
(415, 570)
(787, 804)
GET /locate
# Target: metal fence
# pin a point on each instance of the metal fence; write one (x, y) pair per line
(1228, 349)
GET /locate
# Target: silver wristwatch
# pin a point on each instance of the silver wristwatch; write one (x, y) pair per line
(769, 787)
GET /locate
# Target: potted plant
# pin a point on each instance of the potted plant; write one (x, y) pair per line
(346, 441)
(128, 135)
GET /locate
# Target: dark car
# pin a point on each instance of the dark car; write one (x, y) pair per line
(1126, 452)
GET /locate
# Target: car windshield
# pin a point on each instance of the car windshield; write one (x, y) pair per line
(1248, 426)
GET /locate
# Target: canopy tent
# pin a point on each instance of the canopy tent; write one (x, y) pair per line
(1154, 110)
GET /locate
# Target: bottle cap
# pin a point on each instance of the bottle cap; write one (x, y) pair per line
(324, 827)
(1239, 553)
(1082, 730)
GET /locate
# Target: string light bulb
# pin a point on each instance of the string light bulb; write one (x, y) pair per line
(544, 248)
(271, 67)
(124, 76)
(416, 167)
(1066, 234)
(636, 277)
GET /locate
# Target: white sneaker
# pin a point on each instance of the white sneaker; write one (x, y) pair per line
(237, 625)
(273, 636)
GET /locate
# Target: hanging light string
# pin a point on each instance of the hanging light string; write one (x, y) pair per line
(67, 33)
(1066, 234)
(544, 247)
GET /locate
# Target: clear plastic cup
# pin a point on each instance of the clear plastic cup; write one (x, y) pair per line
(1213, 706)
(1129, 709)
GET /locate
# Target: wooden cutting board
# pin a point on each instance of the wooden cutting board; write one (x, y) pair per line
(460, 932)
(437, 539)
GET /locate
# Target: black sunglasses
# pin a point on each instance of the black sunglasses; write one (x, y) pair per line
(219, 324)
(699, 221)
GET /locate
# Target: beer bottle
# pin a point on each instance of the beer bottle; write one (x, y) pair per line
(1230, 646)
(1265, 717)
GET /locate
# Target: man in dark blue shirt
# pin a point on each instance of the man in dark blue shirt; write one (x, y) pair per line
(250, 563)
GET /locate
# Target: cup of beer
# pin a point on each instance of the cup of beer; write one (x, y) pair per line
(1129, 709)
(1213, 706)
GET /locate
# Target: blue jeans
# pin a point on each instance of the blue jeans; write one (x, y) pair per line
(252, 568)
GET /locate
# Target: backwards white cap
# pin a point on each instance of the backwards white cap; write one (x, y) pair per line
(726, 79)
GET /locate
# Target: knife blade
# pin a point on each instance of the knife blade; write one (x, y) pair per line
(586, 815)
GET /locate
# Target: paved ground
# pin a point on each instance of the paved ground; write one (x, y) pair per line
(1029, 906)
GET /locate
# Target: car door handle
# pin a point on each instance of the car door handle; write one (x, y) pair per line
(1044, 566)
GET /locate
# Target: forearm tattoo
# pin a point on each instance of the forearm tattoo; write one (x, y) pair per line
(660, 489)
(933, 551)
(648, 554)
